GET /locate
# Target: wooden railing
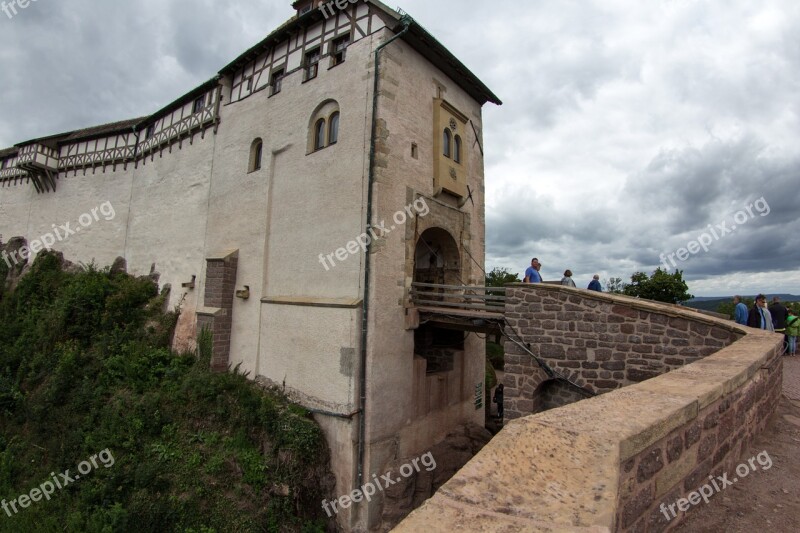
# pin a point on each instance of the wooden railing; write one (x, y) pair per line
(463, 297)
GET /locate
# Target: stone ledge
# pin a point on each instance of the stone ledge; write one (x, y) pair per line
(210, 311)
(520, 483)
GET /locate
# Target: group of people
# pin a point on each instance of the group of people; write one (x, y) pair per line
(777, 317)
(532, 275)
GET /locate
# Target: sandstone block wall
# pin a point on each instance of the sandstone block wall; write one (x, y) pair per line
(712, 443)
(607, 463)
(600, 341)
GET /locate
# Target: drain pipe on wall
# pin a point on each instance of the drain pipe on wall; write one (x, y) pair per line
(362, 430)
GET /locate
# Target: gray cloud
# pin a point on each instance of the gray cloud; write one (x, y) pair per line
(627, 128)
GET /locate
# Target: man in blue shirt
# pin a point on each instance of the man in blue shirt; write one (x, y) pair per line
(532, 273)
(740, 313)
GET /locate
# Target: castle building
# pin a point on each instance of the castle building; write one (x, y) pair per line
(290, 202)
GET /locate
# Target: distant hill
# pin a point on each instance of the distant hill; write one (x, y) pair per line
(711, 303)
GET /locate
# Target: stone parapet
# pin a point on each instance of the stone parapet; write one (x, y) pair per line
(607, 463)
(600, 341)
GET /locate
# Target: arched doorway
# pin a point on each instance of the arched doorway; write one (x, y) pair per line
(437, 260)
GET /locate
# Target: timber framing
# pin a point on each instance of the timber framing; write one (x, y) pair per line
(131, 142)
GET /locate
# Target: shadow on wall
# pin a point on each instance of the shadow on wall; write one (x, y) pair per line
(553, 393)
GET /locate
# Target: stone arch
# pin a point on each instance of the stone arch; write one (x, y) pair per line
(437, 258)
(553, 393)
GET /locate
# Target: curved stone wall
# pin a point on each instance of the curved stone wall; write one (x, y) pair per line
(599, 341)
(608, 463)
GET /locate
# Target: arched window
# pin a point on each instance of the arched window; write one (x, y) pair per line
(457, 149)
(256, 150)
(319, 134)
(333, 129)
(323, 126)
(446, 143)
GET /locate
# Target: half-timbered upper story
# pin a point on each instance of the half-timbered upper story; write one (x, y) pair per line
(316, 38)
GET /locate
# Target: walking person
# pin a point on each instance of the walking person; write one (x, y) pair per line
(498, 399)
(567, 279)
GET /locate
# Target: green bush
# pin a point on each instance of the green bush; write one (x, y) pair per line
(495, 354)
(85, 366)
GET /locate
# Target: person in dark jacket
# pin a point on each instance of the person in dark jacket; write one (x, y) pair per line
(779, 315)
(498, 399)
(759, 316)
(594, 285)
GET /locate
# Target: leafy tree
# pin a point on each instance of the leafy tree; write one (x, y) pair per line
(500, 276)
(661, 286)
(615, 286)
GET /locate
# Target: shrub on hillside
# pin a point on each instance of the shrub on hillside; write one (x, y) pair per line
(85, 366)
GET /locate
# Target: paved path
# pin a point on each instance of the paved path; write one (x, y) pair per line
(791, 377)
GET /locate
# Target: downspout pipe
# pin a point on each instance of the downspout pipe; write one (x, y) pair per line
(362, 427)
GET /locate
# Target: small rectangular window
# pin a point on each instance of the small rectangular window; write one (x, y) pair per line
(312, 64)
(276, 81)
(414, 151)
(199, 104)
(3, 164)
(249, 83)
(339, 47)
(151, 130)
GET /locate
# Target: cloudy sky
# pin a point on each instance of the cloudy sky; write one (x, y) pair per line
(629, 129)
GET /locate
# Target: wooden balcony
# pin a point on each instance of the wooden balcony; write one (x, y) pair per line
(464, 307)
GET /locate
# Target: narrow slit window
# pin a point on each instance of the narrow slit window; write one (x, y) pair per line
(457, 149)
(446, 140)
(256, 150)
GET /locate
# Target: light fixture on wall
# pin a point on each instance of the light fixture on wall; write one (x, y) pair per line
(244, 294)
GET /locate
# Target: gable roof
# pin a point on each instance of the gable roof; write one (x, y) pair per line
(417, 37)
